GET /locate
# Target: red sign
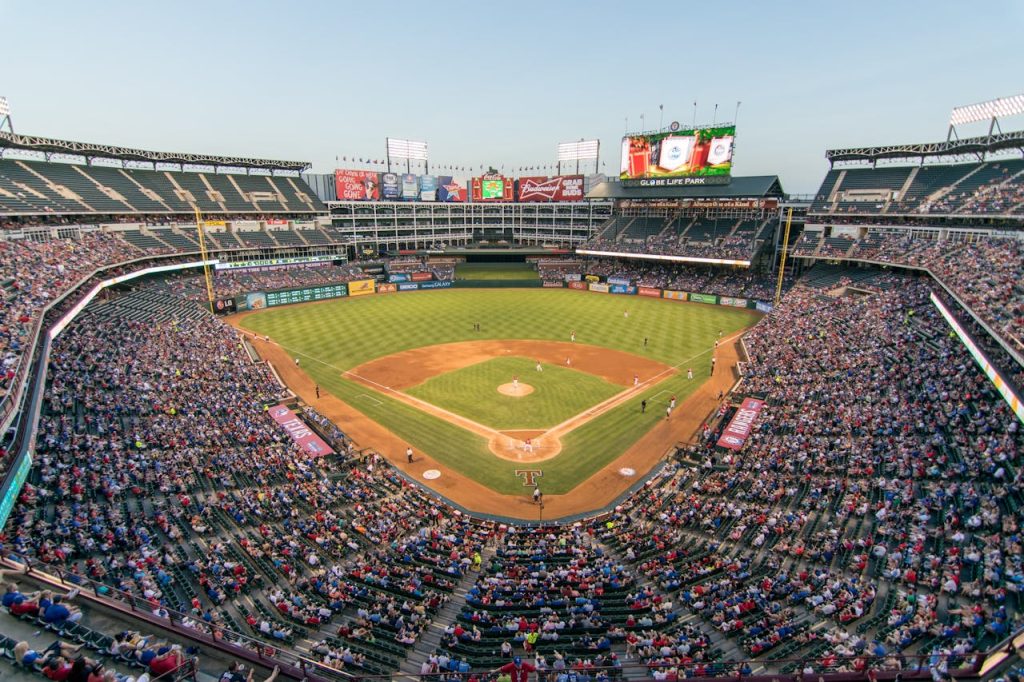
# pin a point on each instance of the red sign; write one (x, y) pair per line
(276, 221)
(421, 277)
(357, 185)
(577, 285)
(736, 433)
(561, 188)
(649, 291)
(300, 432)
(387, 288)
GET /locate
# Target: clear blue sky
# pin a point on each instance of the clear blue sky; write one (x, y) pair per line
(503, 83)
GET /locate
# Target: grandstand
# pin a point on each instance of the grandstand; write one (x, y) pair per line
(869, 524)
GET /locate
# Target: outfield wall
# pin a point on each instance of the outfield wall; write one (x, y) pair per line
(259, 300)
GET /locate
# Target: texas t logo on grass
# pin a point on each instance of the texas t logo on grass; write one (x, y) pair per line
(529, 476)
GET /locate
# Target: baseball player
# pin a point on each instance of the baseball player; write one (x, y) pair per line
(572, 336)
(568, 362)
(540, 367)
(689, 373)
(515, 383)
(636, 380)
(672, 403)
(528, 445)
(625, 314)
(408, 455)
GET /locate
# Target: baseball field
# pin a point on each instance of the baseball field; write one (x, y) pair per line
(487, 383)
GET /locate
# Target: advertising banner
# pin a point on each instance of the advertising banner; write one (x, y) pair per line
(257, 300)
(621, 289)
(561, 188)
(578, 285)
(357, 185)
(386, 288)
(649, 291)
(618, 280)
(421, 277)
(573, 277)
(275, 221)
(305, 294)
(552, 285)
(390, 187)
(224, 306)
(398, 277)
(704, 298)
(410, 187)
(763, 307)
(428, 188)
(300, 432)
(215, 223)
(492, 187)
(734, 302)
(674, 295)
(598, 287)
(408, 286)
(444, 284)
(592, 278)
(736, 433)
(678, 157)
(360, 287)
(450, 190)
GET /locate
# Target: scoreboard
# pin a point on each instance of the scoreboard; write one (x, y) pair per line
(306, 294)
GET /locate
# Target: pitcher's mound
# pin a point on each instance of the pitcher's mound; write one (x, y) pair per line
(514, 390)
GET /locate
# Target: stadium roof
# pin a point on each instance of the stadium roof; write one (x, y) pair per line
(49, 145)
(969, 145)
(741, 187)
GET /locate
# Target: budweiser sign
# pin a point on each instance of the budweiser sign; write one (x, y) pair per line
(738, 430)
(561, 188)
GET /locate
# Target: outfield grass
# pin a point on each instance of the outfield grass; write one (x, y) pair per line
(334, 336)
(558, 393)
(506, 271)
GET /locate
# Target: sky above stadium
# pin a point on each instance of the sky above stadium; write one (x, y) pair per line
(500, 84)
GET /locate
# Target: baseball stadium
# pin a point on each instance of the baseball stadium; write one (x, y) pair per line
(503, 421)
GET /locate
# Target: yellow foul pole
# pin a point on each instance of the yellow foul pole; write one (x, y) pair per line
(782, 259)
(200, 227)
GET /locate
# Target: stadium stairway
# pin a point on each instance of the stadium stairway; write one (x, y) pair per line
(430, 641)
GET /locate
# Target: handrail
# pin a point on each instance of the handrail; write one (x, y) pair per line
(224, 639)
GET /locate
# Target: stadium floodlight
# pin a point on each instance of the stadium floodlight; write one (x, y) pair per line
(407, 149)
(987, 111)
(576, 151)
(5, 108)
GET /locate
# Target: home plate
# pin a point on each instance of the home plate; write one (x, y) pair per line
(431, 474)
(626, 471)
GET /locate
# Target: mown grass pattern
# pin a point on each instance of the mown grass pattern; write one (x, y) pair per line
(335, 336)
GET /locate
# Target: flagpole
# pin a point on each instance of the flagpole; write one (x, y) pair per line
(661, 116)
(694, 115)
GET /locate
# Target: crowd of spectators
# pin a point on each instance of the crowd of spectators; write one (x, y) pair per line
(731, 248)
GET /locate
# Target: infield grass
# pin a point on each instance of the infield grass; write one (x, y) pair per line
(506, 271)
(334, 336)
(558, 393)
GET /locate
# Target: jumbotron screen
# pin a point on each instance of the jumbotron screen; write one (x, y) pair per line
(701, 156)
(492, 189)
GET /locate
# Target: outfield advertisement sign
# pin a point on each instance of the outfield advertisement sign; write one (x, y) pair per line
(360, 287)
(307, 439)
(599, 287)
(573, 277)
(704, 298)
(443, 284)
(592, 278)
(421, 277)
(390, 187)
(398, 277)
(357, 185)
(428, 188)
(408, 286)
(618, 280)
(763, 307)
(410, 187)
(674, 295)
(578, 285)
(621, 289)
(736, 433)
(734, 302)
(560, 188)
(552, 285)
(649, 291)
